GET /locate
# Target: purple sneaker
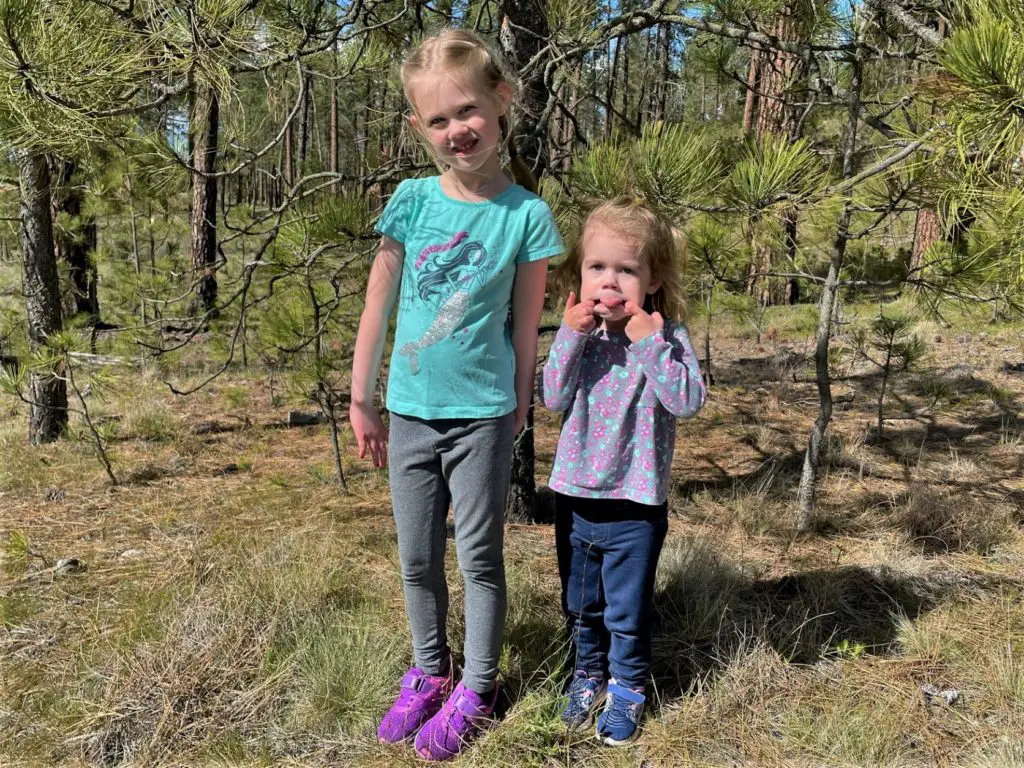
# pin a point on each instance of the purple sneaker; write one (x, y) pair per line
(457, 724)
(421, 696)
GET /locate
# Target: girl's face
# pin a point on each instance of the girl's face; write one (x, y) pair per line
(612, 273)
(459, 120)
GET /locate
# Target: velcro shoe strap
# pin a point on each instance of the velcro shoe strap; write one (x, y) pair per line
(412, 681)
(628, 694)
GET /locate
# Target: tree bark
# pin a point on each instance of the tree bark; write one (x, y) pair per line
(48, 395)
(521, 505)
(609, 93)
(287, 162)
(524, 28)
(812, 456)
(624, 86)
(568, 131)
(203, 130)
(664, 56)
(304, 126)
(78, 247)
(926, 234)
(777, 71)
(753, 83)
(332, 151)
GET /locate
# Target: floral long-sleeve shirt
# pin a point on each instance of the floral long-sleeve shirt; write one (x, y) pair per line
(621, 401)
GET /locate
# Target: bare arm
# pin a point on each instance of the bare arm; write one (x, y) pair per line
(381, 293)
(527, 306)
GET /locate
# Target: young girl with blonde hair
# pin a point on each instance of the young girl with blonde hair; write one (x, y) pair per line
(459, 253)
(622, 370)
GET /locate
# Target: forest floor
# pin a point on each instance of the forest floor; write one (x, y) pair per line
(227, 605)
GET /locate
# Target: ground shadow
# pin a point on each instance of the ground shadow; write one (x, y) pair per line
(708, 613)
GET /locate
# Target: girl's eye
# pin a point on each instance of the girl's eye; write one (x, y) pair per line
(628, 270)
(436, 122)
(597, 267)
(467, 109)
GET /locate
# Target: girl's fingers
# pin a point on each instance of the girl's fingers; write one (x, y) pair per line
(571, 301)
(633, 308)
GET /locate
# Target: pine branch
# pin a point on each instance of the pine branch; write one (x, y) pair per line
(904, 17)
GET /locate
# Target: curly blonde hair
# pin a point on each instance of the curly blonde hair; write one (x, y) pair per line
(459, 51)
(659, 244)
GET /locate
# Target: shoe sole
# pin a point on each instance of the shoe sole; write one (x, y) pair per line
(608, 741)
(591, 714)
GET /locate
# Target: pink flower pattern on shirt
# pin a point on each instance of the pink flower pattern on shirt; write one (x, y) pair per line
(620, 401)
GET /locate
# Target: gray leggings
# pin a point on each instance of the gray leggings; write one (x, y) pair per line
(465, 462)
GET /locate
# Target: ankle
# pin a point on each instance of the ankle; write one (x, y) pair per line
(443, 667)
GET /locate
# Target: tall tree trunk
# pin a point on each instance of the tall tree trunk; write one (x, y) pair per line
(287, 159)
(48, 414)
(778, 72)
(623, 86)
(703, 94)
(524, 29)
(927, 230)
(304, 126)
(643, 101)
(609, 92)
(665, 71)
(204, 126)
(77, 247)
(568, 131)
(332, 151)
(812, 456)
(557, 146)
(753, 83)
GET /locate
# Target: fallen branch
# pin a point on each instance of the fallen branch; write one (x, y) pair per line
(91, 359)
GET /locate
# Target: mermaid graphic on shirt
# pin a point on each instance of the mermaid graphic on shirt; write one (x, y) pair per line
(446, 275)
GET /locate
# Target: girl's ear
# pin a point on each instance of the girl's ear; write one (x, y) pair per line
(654, 286)
(414, 122)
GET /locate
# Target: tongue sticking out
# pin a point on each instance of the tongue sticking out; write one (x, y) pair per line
(608, 300)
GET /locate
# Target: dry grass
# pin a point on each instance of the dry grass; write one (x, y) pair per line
(939, 521)
(236, 610)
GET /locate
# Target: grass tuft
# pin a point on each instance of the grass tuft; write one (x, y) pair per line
(938, 521)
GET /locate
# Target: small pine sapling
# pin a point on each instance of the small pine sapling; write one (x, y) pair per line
(889, 345)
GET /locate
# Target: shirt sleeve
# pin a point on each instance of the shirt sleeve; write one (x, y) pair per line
(670, 363)
(398, 213)
(562, 370)
(542, 240)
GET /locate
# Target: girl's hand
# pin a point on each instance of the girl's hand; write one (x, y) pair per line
(579, 317)
(641, 325)
(520, 420)
(371, 434)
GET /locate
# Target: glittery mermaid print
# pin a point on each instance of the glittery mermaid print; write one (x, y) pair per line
(446, 275)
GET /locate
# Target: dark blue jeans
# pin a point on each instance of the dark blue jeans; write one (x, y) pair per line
(607, 557)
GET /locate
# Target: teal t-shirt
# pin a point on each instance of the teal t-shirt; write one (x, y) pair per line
(453, 355)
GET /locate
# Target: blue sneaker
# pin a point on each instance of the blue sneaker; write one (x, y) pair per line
(619, 723)
(585, 696)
